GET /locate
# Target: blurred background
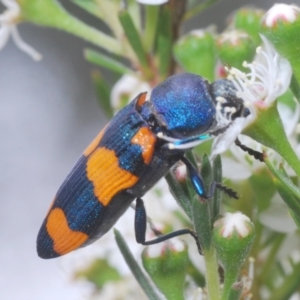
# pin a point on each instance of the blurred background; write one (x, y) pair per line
(48, 116)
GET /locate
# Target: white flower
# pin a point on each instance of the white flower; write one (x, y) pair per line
(152, 2)
(280, 12)
(125, 90)
(8, 21)
(277, 216)
(239, 165)
(234, 222)
(269, 77)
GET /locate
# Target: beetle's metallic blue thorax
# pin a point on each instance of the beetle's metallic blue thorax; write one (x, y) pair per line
(183, 105)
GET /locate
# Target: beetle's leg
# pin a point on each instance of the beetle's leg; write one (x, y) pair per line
(192, 141)
(197, 180)
(140, 223)
(149, 221)
(184, 143)
(256, 154)
(198, 183)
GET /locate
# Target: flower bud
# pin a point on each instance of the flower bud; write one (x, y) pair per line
(234, 47)
(281, 25)
(233, 235)
(248, 19)
(166, 263)
(195, 52)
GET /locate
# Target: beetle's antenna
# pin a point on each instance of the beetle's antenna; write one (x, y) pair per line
(228, 191)
(256, 154)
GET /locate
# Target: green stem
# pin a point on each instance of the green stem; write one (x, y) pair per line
(229, 280)
(51, 14)
(212, 276)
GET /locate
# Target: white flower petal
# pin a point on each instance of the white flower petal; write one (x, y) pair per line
(127, 85)
(231, 222)
(289, 117)
(222, 142)
(280, 11)
(152, 2)
(24, 46)
(11, 4)
(4, 35)
(269, 77)
(234, 170)
(280, 71)
(277, 217)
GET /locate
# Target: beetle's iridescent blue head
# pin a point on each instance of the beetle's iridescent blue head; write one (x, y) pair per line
(224, 92)
(183, 105)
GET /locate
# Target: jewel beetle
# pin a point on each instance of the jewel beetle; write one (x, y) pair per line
(134, 150)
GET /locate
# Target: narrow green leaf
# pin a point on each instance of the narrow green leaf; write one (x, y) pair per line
(202, 222)
(289, 286)
(295, 87)
(269, 263)
(207, 176)
(107, 62)
(135, 268)
(164, 42)
(135, 41)
(206, 171)
(217, 175)
(289, 185)
(90, 6)
(289, 192)
(103, 93)
(196, 10)
(151, 22)
(290, 200)
(179, 194)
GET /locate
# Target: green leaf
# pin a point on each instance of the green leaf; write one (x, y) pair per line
(107, 62)
(284, 35)
(217, 175)
(103, 93)
(268, 130)
(289, 192)
(195, 52)
(197, 9)
(179, 193)
(90, 6)
(202, 222)
(289, 285)
(168, 270)
(135, 41)
(248, 19)
(151, 22)
(164, 42)
(99, 272)
(295, 87)
(135, 268)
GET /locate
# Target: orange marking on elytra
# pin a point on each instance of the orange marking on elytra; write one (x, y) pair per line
(108, 178)
(93, 145)
(146, 139)
(141, 100)
(64, 238)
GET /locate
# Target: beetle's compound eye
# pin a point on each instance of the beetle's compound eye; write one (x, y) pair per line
(183, 105)
(224, 95)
